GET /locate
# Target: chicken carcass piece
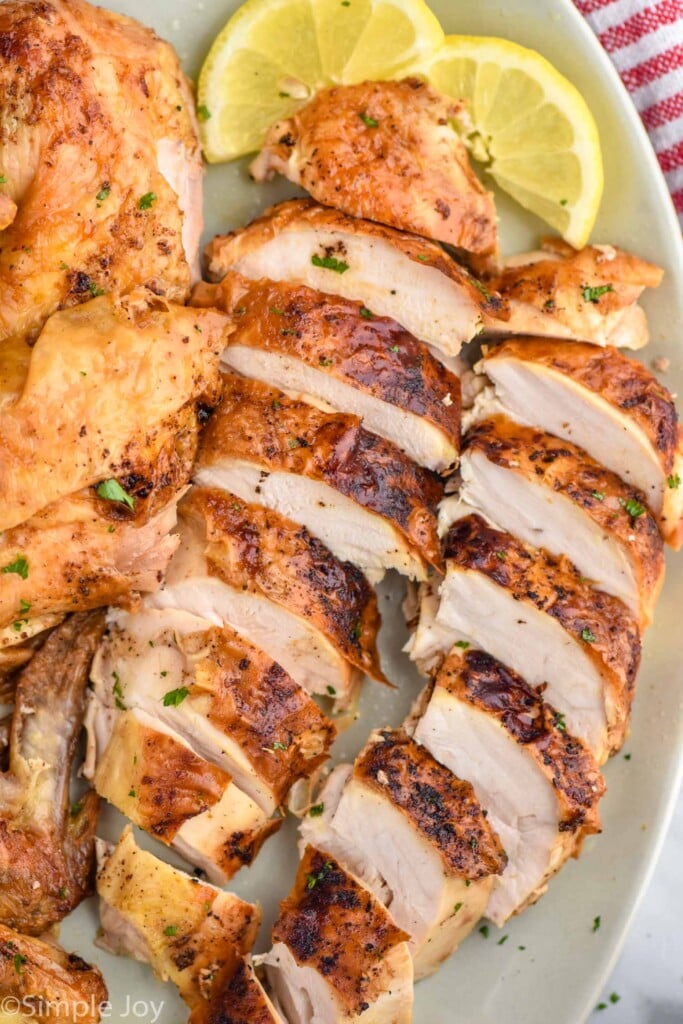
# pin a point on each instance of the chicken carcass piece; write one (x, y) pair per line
(47, 847)
(431, 856)
(152, 775)
(67, 431)
(336, 951)
(608, 404)
(241, 711)
(69, 557)
(550, 493)
(366, 500)
(539, 786)
(338, 355)
(46, 982)
(336, 148)
(185, 929)
(587, 294)
(237, 996)
(535, 613)
(100, 160)
(264, 576)
(393, 273)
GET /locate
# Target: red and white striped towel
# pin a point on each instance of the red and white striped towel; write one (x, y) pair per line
(645, 41)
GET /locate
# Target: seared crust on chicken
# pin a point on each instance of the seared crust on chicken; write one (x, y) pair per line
(42, 978)
(47, 848)
(589, 294)
(237, 997)
(621, 550)
(395, 274)
(335, 352)
(259, 426)
(388, 152)
(64, 432)
(100, 155)
(608, 404)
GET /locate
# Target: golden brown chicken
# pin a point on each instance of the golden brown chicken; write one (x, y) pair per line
(47, 847)
(101, 169)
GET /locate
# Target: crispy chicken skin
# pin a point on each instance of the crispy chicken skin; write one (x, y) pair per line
(65, 432)
(388, 152)
(99, 150)
(47, 848)
(242, 711)
(394, 273)
(260, 426)
(46, 981)
(185, 929)
(606, 403)
(336, 353)
(625, 553)
(336, 928)
(237, 997)
(589, 294)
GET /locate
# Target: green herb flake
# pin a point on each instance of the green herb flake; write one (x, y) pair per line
(325, 362)
(3, 179)
(633, 507)
(481, 288)
(19, 959)
(103, 193)
(293, 443)
(369, 122)
(312, 880)
(164, 673)
(614, 997)
(117, 691)
(147, 201)
(95, 291)
(559, 722)
(276, 404)
(588, 635)
(422, 258)
(673, 481)
(563, 202)
(280, 746)
(627, 757)
(131, 792)
(593, 293)
(18, 566)
(316, 810)
(393, 348)
(468, 883)
(24, 606)
(366, 313)
(462, 644)
(596, 923)
(203, 112)
(19, 625)
(111, 529)
(171, 929)
(598, 495)
(76, 808)
(521, 948)
(111, 490)
(601, 1006)
(329, 263)
(331, 690)
(283, 95)
(501, 555)
(503, 940)
(357, 630)
(197, 328)
(62, 892)
(346, 3)
(175, 697)
(457, 907)
(484, 931)
(207, 907)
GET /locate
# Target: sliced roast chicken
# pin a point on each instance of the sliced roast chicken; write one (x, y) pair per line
(258, 572)
(538, 785)
(340, 355)
(388, 152)
(430, 854)
(552, 494)
(185, 929)
(535, 613)
(235, 706)
(359, 494)
(337, 954)
(602, 401)
(393, 273)
(237, 995)
(588, 294)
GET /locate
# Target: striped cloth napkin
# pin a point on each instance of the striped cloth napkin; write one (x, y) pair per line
(645, 41)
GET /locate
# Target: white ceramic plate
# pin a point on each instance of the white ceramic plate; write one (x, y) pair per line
(556, 978)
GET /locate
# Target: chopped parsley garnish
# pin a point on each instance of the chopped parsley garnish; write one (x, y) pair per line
(325, 362)
(103, 193)
(117, 691)
(468, 883)
(131, 792)
(393, 348)
(598, 495)
(614, 997)
(276, 404)
(329, 263)
(369, 122)
(484, 931)
(24, 606)
(276, 311)
(203, 112)
(457, 907)
(559, 722)
(19, 566)
(357, 630)
(673, 481)
(596, 923)
(588, 635)
(175, 697)
(62, 892)
(171, 929)
(19, 625)
(95, 291)
(462, 644)
(633, 507)
(3, 179)
(521, 948)
(501, 555)
(331, 690)
(19, 959)
(627, 757)
(280, 746)
(111, 490)
(293, 442)
(316, 810)
(481, 288)
(421, 256)
(312, 880)
(592, 293)
(147, 201)
(502, 940)
(76, 808)
(563, 202)
(365, 313)
(474, 843)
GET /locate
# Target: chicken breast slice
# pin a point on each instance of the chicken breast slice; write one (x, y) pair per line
(538, 785)
(152, 775)
(338, 355)
(265, 577)
(589, 294)
(393, 273)
(336, 952)
(604, 402)
(361, 496)
(237, 995)
(431, 856)
(550, 493)
(240, 711)
(336, 148)
(536, 614)
(187, 930)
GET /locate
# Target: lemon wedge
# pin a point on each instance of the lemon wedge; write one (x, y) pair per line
(274, 54)
(530, 127)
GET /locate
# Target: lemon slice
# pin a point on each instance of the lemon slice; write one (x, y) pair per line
(529, 126)
(274, 54)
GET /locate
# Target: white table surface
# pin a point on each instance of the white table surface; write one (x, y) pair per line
(649, 975)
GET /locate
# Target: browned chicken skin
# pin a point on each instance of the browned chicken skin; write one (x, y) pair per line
(388, 152)
(47, 848)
